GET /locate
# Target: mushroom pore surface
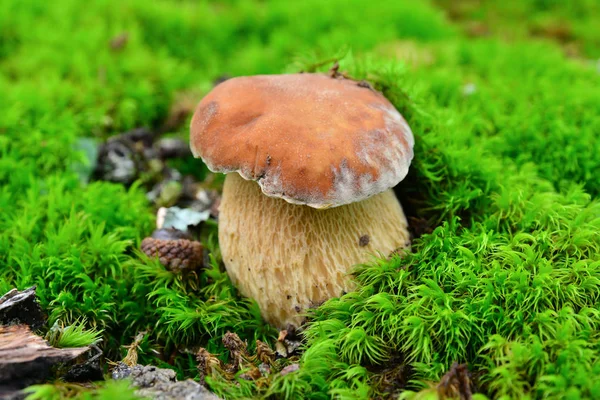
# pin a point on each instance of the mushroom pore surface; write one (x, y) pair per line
(290, 257)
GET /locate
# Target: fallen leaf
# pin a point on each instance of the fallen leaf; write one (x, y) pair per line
(181, 218)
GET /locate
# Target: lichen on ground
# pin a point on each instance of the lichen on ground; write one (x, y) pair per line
(504, 187)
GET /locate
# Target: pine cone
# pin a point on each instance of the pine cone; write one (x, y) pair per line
(177, 255)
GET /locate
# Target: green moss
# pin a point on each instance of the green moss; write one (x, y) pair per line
(505, 173)
(106, 391)
(571, 24)
(74, 335)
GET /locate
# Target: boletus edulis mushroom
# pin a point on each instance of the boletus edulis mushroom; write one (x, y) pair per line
(310, 162)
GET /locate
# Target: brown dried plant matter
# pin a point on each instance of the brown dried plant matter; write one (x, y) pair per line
(238, 350)
(456, 383)
(131, 358)
(257, 367)
(207, 364)
(264, 353)
(290, 257)
(240, 358)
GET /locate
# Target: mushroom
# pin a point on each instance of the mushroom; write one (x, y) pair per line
(310, 162)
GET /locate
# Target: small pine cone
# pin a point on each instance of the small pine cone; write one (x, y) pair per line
(177, 255)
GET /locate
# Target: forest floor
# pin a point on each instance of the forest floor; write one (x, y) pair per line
(500, 295)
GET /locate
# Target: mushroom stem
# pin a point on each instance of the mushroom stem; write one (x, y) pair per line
(290, 257)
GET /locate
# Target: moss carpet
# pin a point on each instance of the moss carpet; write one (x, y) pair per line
(503, 99)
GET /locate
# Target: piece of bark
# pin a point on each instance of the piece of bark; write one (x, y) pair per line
(26, 358)
(21, 308)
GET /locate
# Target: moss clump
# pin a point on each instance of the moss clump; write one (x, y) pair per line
(106, 391)
(505, 180)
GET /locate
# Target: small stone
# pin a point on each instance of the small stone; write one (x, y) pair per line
(160, 383)
(265, 369)
(289, 369)
(281, 349)
(292, 345)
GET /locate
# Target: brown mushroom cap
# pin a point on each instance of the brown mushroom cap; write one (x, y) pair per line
(307, 138)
